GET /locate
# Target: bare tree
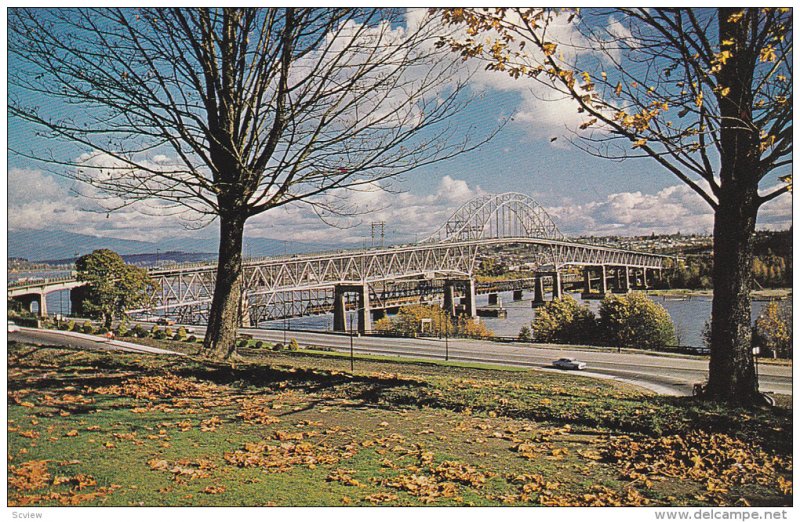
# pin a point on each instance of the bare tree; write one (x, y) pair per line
(227, 113)
(706, 93)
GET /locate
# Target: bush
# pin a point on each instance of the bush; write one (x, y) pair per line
(122, 329)
(564, 320)
(181, 333)
(160, 335)
(63, 326)
(634, 320)
(88, 328)
(168, 332)
(524, 334)
(140, 331)
(473, 328)
(102, 331)
(773, 330)
(277, 347)
(259, 344)
(293, 346)
(191, 339)
(71, 326)
(242, 343)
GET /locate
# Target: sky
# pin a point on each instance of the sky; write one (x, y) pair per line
(584, 195)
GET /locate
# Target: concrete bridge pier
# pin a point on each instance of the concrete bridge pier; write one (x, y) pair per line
(468, 301)
(538, 291)
(517, 295)
(27, 301)
(556, 284)
(244, 307)
(363, 314)
(622, 281)
(588, 277)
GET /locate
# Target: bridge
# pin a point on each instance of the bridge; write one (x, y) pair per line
(367, 280)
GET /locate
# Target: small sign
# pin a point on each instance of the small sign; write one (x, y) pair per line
(756, 350)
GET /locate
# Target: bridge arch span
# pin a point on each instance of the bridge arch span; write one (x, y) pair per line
(497, 216)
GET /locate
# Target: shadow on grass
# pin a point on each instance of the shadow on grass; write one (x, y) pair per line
(645, 415)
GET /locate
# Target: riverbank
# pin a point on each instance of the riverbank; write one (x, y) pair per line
(765, 294)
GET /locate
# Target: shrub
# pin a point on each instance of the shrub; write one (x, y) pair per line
(564, 320)
(88, 328)
(122, 329)
(140, 331)
(191, 339)
(293, 346)
(773, 330)
(259, 344)
(168, 332)
(63, 326)
(277, 347)
(160, 335)
(242, 343)
(71, 326)
(103, 330)
(524, 334)
(474, 328)
(383, 325)
(635, 320)
(181, 333)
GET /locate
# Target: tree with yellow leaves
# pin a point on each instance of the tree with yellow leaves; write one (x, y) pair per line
(706, 93)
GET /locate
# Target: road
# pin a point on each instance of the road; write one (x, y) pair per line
(78, 340)
(670, 375)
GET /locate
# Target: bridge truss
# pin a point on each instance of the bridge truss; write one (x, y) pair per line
(305, 284)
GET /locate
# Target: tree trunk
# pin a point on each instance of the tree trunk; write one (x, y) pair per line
(226, 314)
(732, 375)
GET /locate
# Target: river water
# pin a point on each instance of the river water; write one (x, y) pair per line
(688, 315)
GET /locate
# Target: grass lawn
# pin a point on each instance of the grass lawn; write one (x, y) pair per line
(280, 428)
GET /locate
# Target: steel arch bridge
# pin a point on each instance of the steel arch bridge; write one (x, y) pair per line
(497, 216)
(306, 284)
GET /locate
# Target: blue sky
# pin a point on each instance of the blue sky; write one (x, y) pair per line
(586, 195)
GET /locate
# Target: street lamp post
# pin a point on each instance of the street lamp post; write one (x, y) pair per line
(352, 355)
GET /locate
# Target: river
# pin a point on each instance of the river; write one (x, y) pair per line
(689, 315)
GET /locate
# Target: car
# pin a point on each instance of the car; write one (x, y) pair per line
(12, 327)
(165, 322)
(569, 363)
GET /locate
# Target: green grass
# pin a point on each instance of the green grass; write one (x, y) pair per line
(129, 429)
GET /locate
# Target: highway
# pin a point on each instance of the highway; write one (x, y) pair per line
(669, 375)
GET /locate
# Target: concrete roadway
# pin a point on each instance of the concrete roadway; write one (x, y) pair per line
(670, 375)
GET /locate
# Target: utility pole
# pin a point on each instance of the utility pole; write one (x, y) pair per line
(375, 225)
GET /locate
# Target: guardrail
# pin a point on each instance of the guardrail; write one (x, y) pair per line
(40, 282)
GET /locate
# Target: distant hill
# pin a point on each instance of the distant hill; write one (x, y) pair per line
(59, 247)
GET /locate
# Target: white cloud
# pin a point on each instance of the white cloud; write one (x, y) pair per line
(672, 209)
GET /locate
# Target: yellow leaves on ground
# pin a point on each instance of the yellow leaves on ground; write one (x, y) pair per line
(293, 449)
(344, 476)
(34, 475)
(717, 461)
(184, 469)
(255, 410)
(163, 386)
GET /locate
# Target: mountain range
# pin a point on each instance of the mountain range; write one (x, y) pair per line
(54, 246)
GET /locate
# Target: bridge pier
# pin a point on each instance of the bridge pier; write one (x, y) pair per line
(517, 295)
(493, 299)
(538, 291)
(244, 308)
(621, 284)
(363, 313)
(27, 301)
(468, 301)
